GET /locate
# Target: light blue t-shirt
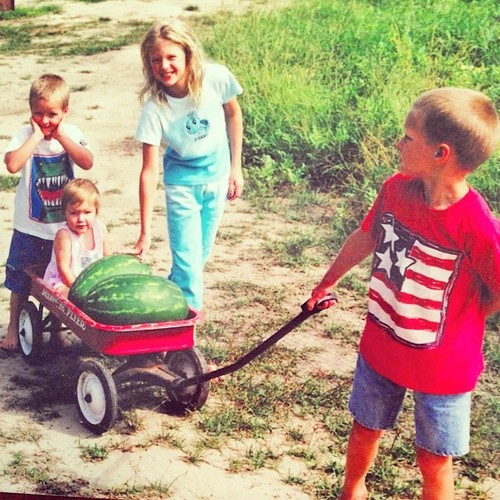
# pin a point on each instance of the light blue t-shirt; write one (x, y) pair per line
(197, 149)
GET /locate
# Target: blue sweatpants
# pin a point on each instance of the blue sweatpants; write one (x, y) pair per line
(193, 217)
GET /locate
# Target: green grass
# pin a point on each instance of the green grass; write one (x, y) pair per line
(8, 182)
(29, 12)
(56, 40)
(328, 84)
(94, 453)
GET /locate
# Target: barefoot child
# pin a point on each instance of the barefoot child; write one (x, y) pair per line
(44, 152)
(435, 276)
(82, 240)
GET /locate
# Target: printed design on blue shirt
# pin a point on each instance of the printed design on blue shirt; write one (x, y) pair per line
(197, 126)
(48, 177)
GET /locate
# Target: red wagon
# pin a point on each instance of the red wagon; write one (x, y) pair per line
(161, 354)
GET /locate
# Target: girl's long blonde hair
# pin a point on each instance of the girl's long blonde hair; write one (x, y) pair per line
(176, 32)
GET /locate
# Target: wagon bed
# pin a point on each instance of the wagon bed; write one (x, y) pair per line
(114, 340)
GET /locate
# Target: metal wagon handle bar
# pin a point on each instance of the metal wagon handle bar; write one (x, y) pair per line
(322, 304)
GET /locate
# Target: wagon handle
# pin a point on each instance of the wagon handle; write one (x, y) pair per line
(322, 304)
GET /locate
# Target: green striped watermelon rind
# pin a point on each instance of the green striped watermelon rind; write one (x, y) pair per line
(101, 269)
(130, 299)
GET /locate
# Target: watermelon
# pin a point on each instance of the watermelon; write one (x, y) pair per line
(130, 299)
(103, 268)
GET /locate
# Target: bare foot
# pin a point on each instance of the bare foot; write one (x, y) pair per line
(11, 342)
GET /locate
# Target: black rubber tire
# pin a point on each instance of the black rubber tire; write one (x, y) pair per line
(187, 363)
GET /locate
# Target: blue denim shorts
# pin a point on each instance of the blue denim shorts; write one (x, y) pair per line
(25, 250)
(442, 421)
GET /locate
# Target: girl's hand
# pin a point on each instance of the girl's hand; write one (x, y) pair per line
(142, 246)
(235, 188)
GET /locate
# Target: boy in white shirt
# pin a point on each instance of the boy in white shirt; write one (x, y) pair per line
(44, 153)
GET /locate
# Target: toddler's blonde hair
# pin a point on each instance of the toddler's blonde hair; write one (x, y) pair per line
(77, 191)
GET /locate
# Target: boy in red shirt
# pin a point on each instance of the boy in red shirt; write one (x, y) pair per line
(435, 277)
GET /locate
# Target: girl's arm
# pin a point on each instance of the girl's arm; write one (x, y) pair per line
(356, 248)
(15, 160)
(234, 126)
(82, 156)
(147, 188)
(62, 251)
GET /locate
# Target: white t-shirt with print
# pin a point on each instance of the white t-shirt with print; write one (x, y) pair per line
(37, 203)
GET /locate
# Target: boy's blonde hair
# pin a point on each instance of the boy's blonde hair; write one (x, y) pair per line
(77, 191)
(465, 119)
(176, 32)
(49, 86)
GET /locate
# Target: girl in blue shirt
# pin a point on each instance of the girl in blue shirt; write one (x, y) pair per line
(191, 107)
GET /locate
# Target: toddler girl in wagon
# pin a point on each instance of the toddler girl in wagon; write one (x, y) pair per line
(82, 240)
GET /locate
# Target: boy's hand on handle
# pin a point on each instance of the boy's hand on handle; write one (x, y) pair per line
(142, 246)
(318, 293)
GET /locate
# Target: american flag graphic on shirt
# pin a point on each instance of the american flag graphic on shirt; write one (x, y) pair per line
(410, 285)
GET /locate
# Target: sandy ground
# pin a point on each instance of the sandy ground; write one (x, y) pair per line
(107, 111)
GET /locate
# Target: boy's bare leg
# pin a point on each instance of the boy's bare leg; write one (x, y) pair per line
(361, 452)
(437, 475)
(11, 341)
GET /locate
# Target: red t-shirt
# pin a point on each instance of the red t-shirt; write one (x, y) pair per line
(425, 324)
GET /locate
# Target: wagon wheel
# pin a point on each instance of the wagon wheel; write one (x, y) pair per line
(186, 363)
(139, 383)
(30, 333)
(96, 397)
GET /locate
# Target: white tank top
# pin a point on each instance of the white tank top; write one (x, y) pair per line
(81, 257)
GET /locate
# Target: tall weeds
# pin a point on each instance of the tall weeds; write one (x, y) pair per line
(329, 82)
